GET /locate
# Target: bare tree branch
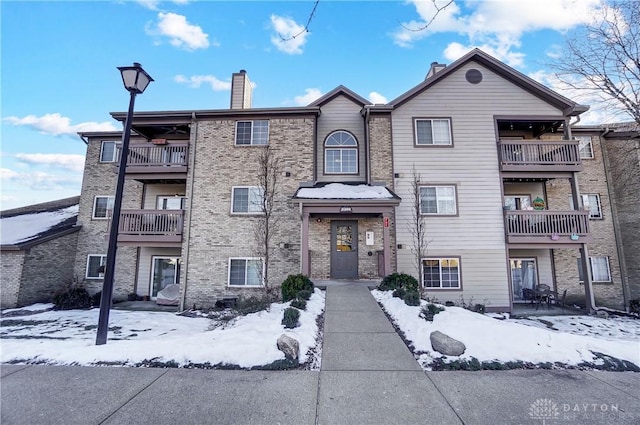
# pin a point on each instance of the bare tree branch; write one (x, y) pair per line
(306, 27)
(417, 226)
(433, 18)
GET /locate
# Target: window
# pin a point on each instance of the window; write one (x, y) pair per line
(95, 266)
(246, 200)
(441, 272)
(102, 206)
(438, 200)
(599, 267)
(108, 152)
(432, 132)
(591, 202)
(341, 153)
(171, 202)
(517, 202)
(245, 272)
(586, 149)
(252, 132)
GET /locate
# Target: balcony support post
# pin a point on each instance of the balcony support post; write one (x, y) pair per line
(586, 272)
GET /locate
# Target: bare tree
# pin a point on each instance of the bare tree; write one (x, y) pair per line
(438, 8)
(417, 226)
(269, 171)
(603, 58)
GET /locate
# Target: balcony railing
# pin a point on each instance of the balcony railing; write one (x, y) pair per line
(537, 155)
(145, 158)
(151, 227)
(547, 226)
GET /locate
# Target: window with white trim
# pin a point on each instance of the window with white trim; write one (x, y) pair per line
(590, 202)
(254, 132)
(102, 206)
(441, 272)
(341, 153)
(95, 266)
(438, 200)
(245, 272)
(598, 267)
(585, 146)
(432, 131)
(246, 200)
(109, 151)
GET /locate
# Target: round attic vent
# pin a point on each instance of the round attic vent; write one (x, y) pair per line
(473, 76)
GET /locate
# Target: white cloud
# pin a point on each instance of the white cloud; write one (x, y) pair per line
(287, 28)
(377, 98)
(70, 162)
(154, 4)
(196, 81)
(497, 25)
(56, 124)
(39, 180)
(180, 32)
(310, 95)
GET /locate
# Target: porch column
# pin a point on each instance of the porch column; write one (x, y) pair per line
(385, 241)
(304, 244)
(586, 272)
(575, 192)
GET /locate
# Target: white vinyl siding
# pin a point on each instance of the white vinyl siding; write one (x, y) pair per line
(245, 272)
(95, 263)
(341, 114)
(246, 200)
(433, 131)
(102, 206)
(252, 132)
(477, 233)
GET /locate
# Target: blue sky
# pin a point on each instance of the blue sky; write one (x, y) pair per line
(59, 62)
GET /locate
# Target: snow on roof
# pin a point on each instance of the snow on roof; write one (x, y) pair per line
(24, 227)
(345, 191)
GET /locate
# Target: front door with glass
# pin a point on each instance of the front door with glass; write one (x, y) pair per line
(165, 271)
(524, 274)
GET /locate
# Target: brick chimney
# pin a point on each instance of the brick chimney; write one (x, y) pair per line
(241, 90)
(435, 67)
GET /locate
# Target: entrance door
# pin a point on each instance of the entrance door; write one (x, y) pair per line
(524, 274)
(165, 271)
(344, 249)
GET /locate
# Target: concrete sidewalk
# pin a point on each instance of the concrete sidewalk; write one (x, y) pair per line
(368, 376)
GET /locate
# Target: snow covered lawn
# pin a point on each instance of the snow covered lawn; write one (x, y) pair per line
(136, 338)
(571, 341)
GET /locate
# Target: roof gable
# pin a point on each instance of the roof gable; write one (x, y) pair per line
(341, 91)
(517, 78)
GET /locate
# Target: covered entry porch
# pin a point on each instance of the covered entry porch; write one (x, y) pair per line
(347, 237)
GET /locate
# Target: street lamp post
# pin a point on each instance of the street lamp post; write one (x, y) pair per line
(135, 80)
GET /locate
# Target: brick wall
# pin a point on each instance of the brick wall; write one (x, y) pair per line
(48, 268)
(12, 262)
(214, 234)
(100, 180)
(592, 180)
(381, 157)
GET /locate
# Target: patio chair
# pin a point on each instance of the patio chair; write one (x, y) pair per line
(529, 294)
(561, 300)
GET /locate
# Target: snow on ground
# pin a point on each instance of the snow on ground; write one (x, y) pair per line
(488, 338)
(345, 191)
(22, 228)
(68, 337)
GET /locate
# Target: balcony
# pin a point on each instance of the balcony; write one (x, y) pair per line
(148, 161)
(539, 156)
(160, 228)
(552, 228)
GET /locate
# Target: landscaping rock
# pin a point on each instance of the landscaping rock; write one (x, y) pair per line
(446, 345)
(289, 346)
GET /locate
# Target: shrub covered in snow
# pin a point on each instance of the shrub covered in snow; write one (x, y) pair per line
(305, 294)
(429, 311)
(290, 319)
(398, 280)
(73, 297)
(294, 284)
(411, 298)
(299, 304)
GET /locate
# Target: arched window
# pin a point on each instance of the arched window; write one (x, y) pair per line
(341, 153)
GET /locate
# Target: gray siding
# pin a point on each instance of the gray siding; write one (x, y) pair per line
(477, 234)
(152, 191)
(341, 114)
(145, 266)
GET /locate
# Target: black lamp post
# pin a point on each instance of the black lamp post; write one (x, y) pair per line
(135, 80)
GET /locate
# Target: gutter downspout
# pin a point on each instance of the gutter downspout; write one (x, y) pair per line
(616, 224)
(367, 152)
(187, 234)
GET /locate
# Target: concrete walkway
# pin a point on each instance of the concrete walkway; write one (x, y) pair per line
(368, 376)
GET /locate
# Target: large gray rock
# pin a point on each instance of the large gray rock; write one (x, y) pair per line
(446, 345)
(289, 346)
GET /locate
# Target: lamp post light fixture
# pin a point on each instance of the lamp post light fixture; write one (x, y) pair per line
(135, 80)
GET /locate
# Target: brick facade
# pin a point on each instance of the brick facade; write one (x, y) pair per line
(12, 267)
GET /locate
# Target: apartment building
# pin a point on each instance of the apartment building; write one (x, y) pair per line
(498, 186)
